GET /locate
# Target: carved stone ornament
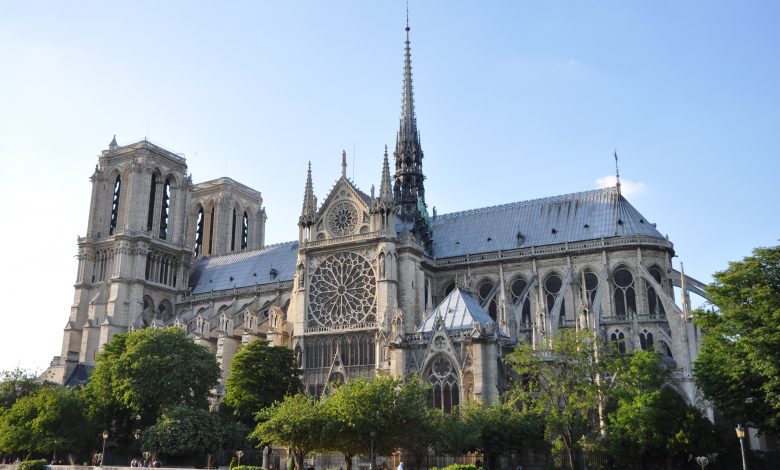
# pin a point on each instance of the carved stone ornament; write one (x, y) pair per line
(342, 291)
(343, 218)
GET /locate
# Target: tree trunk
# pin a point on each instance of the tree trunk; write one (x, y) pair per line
(348, 461)
(299, 460)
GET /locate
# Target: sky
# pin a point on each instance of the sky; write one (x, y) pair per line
(515, 100)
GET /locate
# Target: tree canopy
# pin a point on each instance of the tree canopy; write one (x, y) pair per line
(49, 420)
(140, 373)
(260, 375)
(738, 367)
(15, 384)
(190, 431)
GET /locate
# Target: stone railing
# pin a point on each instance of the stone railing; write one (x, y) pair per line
(345, 239)
(566, 247)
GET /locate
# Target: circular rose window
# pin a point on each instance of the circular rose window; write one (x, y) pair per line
(342, 291)
(343, 219)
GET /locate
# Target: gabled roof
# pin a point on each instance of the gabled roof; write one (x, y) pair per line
(459, 310)
(244, 269)
(588, 215)
(332, 193)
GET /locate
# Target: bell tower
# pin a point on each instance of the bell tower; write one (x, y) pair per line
(134, 259)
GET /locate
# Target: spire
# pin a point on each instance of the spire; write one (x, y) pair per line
(386, 187)
(309, 209)
(113, 143)
(343, 163)
(617, 174)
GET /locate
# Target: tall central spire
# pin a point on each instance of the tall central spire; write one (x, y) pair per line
(409, 188)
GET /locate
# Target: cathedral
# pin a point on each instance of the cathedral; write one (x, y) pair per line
(374, 281)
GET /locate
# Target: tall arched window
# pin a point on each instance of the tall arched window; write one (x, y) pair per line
(646, 340)
(152, 200)
(654, 306)
(591, 285)
(624, 295)
(244, 231)
(115, 204)
(516, 290)
(199, 232)
(166, 200)
(233, 232)
(211, 231)
(552, 289)
(619, 340)
(484, 290)
(445, 391)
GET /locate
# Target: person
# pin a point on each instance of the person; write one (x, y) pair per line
(400, 466)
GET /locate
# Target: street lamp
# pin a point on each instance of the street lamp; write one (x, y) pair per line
(372, 456)
(103, 454)
(741, 436)
(239, 454)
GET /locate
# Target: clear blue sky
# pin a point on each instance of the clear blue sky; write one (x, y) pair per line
(515, 100)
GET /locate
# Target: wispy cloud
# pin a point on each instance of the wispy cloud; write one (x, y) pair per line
(627, 187)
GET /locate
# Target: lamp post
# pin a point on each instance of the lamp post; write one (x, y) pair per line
(239, 454)
(372, 457)
(741, 436)
(103, 454)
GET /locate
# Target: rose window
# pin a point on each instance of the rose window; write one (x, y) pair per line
(343, 219)
(342, 291)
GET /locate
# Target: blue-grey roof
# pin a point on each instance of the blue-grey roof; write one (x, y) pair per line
(459, 310)
(600, 213)
(244, 269)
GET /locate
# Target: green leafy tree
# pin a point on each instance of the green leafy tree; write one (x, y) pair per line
(738, 367)
(50, 420)
(15, 384)
(657, 426)
(142, 372)
(298, 423)
(260, 375)
(418, 423)
(191, 431)
(501, 427)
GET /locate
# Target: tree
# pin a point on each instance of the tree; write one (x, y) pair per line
(297, 423)
(48, 421)
(738, 367)
(260, 375)
(142, 372)
(561, 384)
(190, 431)
(15, 384)
(418, 423)
(501, 427)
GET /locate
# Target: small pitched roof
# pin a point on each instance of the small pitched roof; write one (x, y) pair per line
(589, 215)
(459, 310)
(244, 269)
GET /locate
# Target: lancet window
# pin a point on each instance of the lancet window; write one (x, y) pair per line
(484, 290)
(445, 387)
(244, 231)
(619, 340)
(102, 265)
(624, 293)
(115, 204)
(233, 232)
(654, 306)
(164, 210)
(591, 284)
(152, 200)
(552, 289)
(646, 340)
(161, 268)
(516, 290)
(199, 232)
(211, 231)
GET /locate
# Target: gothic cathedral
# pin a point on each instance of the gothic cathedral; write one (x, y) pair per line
(374, 282)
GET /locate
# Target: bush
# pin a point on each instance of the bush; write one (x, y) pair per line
(247, 467)
(32, 465)
(458, 466)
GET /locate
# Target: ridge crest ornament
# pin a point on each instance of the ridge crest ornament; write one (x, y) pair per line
(343, 218)
(342, 291)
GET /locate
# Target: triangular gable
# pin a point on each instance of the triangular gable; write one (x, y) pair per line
(343, 184)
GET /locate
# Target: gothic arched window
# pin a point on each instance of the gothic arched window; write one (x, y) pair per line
(619, 340)
(516, 290)
(591, 282)
(233, 232)
(624, 295)
(244, 231)
(166, 201)
(483, 291)
(552, 289)
(654, 305)
(445, 391)
(115, 204)
(152, 197)
(199, 232)
(646, 340)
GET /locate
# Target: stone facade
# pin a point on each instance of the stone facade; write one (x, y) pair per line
(373, 283)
